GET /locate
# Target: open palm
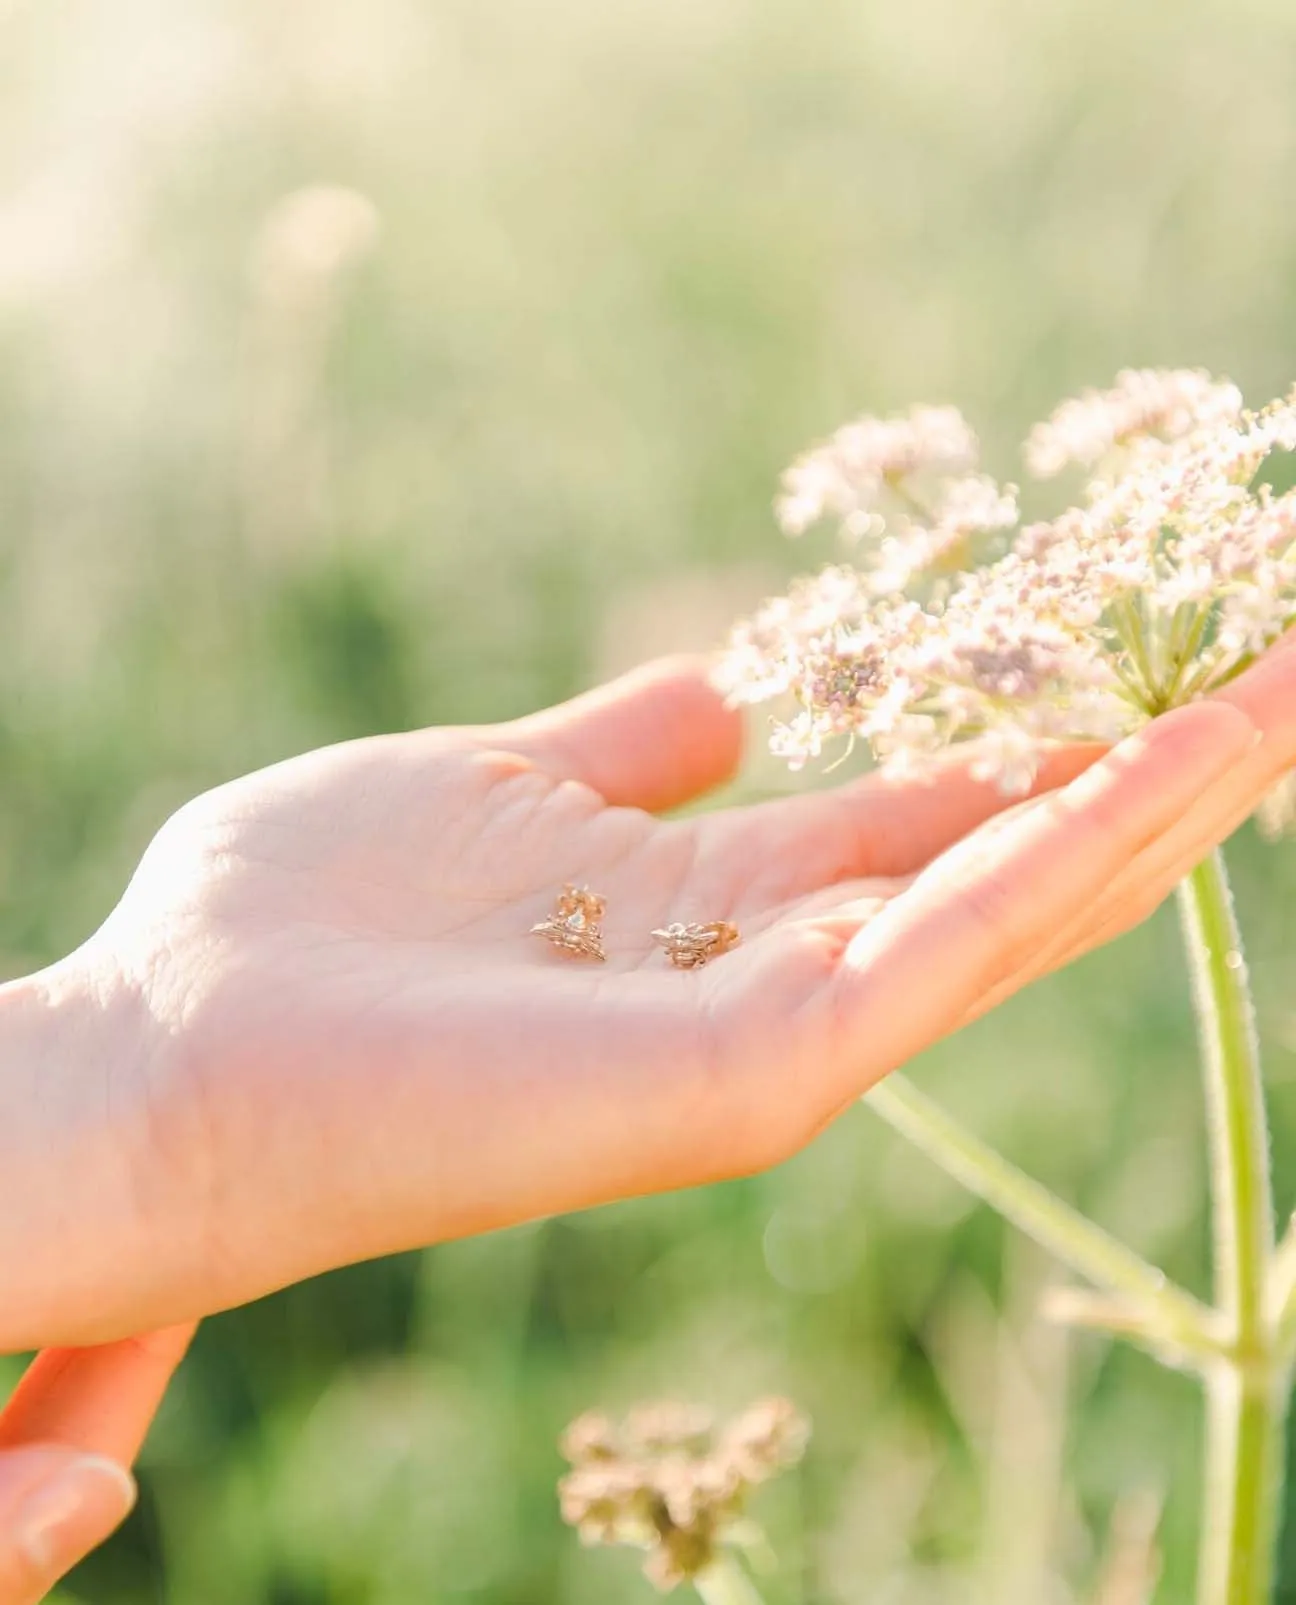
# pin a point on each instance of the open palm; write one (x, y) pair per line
(343, 1039)
(317, 1027)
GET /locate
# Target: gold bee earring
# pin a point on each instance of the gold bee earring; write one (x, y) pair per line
(575, 926)
(689, 947)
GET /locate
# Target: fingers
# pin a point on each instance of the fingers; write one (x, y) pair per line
(56, 1505)
(653, 739)
(76, 1420)
(882, 826)
(100, 1399)
(976, 917)
(1267, 696)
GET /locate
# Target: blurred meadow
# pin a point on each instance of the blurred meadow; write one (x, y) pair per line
(372, 363)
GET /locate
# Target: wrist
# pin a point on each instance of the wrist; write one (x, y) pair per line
(70, 1041)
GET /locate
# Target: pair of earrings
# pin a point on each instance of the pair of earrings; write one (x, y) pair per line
(576, 928)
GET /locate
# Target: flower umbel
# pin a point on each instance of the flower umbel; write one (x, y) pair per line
(1175, 570)
(906, 491)
(1143, 405)
(670, 1481)
(1172, 574)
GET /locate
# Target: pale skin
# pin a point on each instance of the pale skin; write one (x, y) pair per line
(317, 1029)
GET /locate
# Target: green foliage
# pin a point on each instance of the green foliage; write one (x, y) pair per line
(629, 259)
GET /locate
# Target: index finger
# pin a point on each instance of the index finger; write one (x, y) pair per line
(1266, 694)
(101, 1400)
(976, 915)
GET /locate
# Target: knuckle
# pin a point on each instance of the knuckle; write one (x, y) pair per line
(990, 907)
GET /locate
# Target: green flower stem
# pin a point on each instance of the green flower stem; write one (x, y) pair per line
(1247, 1395)
(1184, 653)
(1239, 1135)
(725, 1582)
(1246, 1422)
(1170, 1319)
(1246, 1346)
(1130, 625)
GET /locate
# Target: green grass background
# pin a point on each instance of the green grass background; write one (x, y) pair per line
(507, 417)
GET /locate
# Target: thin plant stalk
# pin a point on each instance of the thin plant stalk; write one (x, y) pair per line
(1238, 1131)
(726, 1583)
(1179, 1321)
(1173, 577)
(1244, 1347)
(1245, 1436)
(1248, 1392)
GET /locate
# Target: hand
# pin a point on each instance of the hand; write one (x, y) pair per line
(316, 1028)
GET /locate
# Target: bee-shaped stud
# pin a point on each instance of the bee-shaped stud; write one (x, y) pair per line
(688, 947)
(575, 925)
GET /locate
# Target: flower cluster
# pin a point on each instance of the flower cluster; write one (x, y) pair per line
(1144, 404)
(1171, 575)
(669, 1481)
(912, 482)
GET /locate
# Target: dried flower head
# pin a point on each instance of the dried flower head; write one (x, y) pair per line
(591, 1437)
(670, 1481)
(666, 1426)
(1169, 578)
(765, 1439)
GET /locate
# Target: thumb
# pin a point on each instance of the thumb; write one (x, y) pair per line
(56, 1504)
(653, 739)
(76, 1420)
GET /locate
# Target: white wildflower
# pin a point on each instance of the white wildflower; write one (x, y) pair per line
(1152, 403)
(905, 493)
(870, 462)
(1165, 583)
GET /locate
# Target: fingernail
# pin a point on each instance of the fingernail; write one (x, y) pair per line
(65, 1516)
